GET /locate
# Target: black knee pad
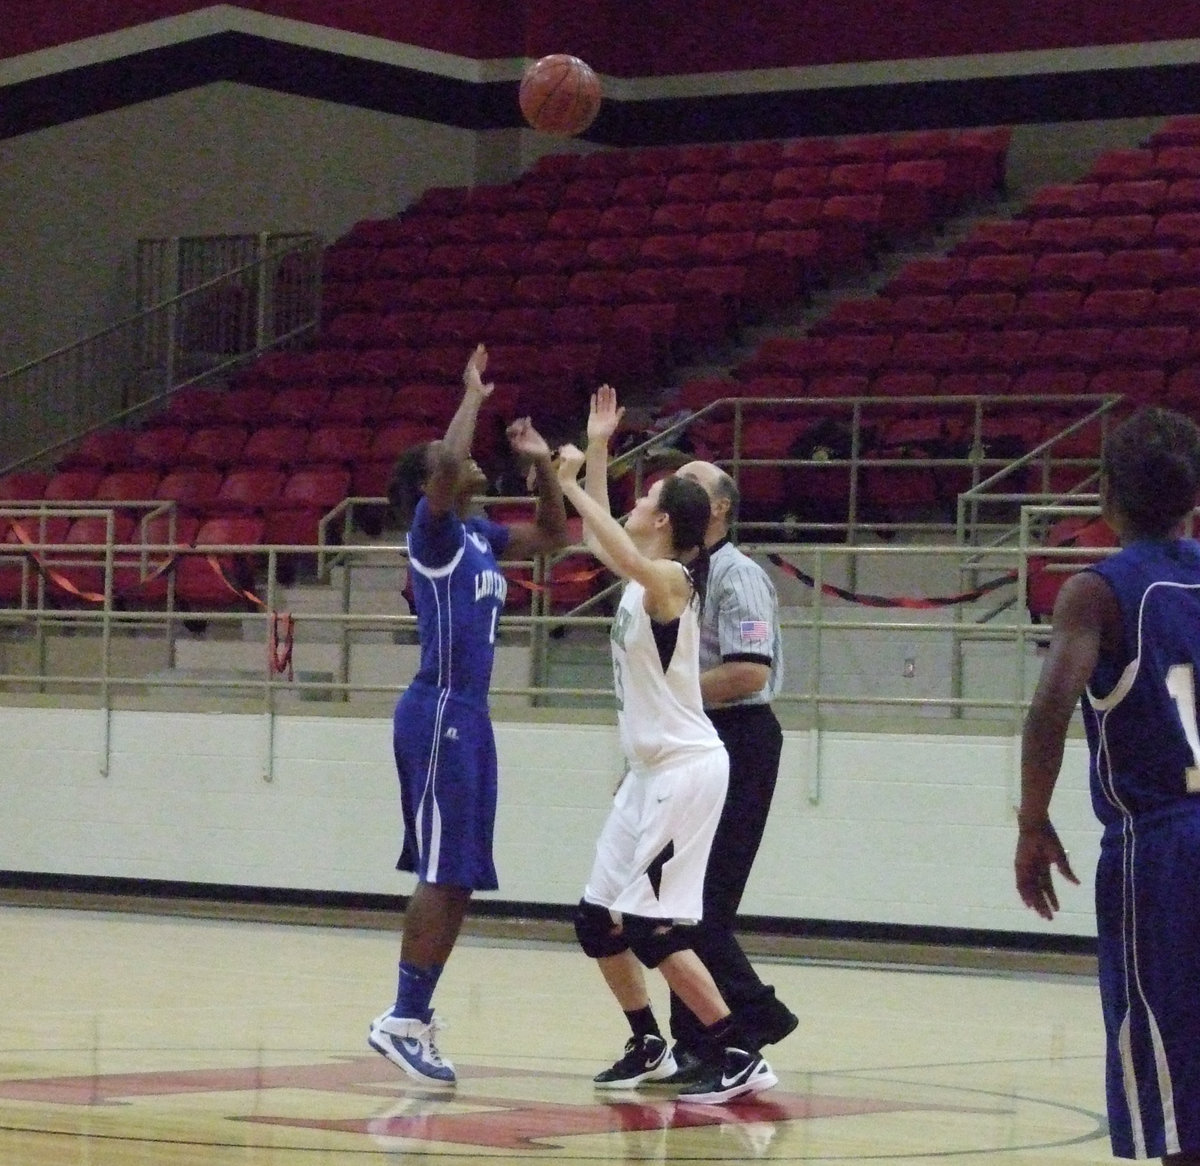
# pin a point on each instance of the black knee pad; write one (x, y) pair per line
(652, 940)
(598, 933)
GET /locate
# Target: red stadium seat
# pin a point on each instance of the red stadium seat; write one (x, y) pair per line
(205, 582)
(1047, 308)
(298, 405)
(997, 273)
(1122, 231)
(1047, 575)
(732, 216)
(23, 485)
(128, 486)
(1142, 386)
(587, 193)
(273, 447)
(72, 486)
(1121, 165)
(934, 351)
(540, 290)
(612, 253)
(1115, 306)
(1144, 196)
(867, 314)
(677, 218)
(1180, 160)
(624, 219)
(995, 236)
(78, 577)
(193, 490)
(1084, 348)
(1008, 350)
(577, 322)
(554, 256)
(249, 491)
(596, 287)
(159, 447)
(573, 222)
(1067, 269)
(982, 310)
(486, 291)
(1145, 267)
(927, 277)
(458, 326)
(103, 449)
(691, 186)
(358, 404)
(1061, 233)
(1178, 305)
(1151, 346)
(1076, 198)
(921, 313)
(336, 445)
(521, 324)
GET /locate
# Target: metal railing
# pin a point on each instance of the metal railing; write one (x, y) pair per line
(995, 521)
(132, 366)
(817, 624)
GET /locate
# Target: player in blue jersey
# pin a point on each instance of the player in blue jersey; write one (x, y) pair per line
(1126, 639)
(645, 891)
(442, 736)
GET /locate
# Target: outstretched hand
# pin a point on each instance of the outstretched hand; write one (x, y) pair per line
(473, 380)
(525, 440)
(570, 462)
(605, 415)
(1039, 849)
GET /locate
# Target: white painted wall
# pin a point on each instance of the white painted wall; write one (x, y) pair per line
(907, 828)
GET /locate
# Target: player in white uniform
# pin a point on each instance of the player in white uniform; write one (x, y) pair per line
(647, 882)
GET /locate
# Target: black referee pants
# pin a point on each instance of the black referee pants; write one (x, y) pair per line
(753, 740)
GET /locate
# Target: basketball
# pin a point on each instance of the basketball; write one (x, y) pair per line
(560, 94)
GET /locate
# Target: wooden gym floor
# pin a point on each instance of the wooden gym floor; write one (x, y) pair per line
(174, 1040)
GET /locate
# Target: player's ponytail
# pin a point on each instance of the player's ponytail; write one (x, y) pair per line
(685, 502)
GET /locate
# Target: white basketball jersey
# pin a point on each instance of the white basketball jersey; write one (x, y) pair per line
(659, 713)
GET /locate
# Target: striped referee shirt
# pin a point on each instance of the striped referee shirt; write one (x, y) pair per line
(741, 618)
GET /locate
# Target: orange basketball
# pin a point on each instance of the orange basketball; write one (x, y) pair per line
(560, 94)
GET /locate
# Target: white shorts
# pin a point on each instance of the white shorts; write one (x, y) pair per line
(653, 849)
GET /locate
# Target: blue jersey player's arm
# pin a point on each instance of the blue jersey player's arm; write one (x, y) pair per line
(1086, 621)
(548, 531)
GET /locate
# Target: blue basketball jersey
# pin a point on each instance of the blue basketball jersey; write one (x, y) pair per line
(458, 593)
(1140, 710)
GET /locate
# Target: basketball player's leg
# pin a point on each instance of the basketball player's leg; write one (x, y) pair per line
(432, 923)
(448, 845)
(753, 740)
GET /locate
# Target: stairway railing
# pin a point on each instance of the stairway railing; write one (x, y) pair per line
(124, 370)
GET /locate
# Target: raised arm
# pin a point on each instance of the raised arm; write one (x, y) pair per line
(447, 456)
(603, 418)
(548, 531)
(461, 430)
(666, 583)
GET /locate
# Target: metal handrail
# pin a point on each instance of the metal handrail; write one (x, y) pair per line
(133, 365)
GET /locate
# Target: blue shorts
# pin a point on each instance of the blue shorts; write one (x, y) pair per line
(446, 761)
(1148, 920)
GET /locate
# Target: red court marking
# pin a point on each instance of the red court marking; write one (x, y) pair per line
(498, 1123)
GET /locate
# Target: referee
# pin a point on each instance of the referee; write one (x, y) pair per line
(741, 669)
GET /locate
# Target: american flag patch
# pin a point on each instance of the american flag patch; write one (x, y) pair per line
(753, 631)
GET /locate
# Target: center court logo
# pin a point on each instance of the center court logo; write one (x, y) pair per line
(357, 1097)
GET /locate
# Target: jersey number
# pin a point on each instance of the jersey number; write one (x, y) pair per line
(1181, 685)
(492, 629)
